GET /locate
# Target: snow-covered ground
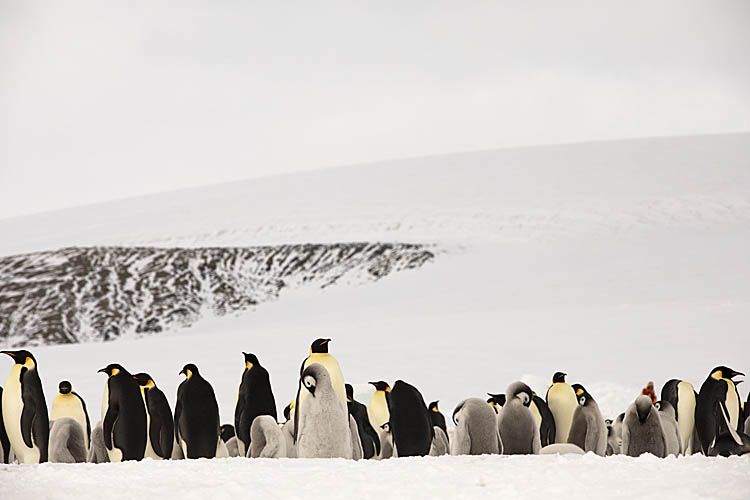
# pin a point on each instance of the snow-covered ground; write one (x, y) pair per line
(618, 263)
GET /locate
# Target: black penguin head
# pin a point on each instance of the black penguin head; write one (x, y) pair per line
(558, 377)
(227, 432)
(349, 392)
(381, 386)
(22, 357)
(496, 400)
(65, 387)
(434, 406)
(250, 360)
(320, 346)
(189, 370)
(579, 389)
(113, 369)
(288, 411)
(724, 372)
(144, 380)
(643, 407)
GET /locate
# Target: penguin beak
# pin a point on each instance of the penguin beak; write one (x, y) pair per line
(182, 372)
(103, 370)
(9, 353)
(325, 341)
(735, 374)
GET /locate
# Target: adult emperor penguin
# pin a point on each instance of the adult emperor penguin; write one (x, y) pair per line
(378, 408)
(319, 354)
(516, 424)
(476, 429)
(267, 440)
(4, 441)
(410, 422)
(547, 426)
(717, 396)
(196, 415)
(562, 402)
(671, 429)
(368, 437)
(25, 410)
(436, 417)
(124, 424)
(159, 422)
(682, 396)
(254, 398)
(588, 430)
(642, 431)
(69, 404)
(321, 421)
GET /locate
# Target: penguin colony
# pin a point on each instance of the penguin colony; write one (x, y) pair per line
(325, 421)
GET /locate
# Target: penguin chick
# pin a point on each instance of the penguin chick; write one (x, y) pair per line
(516, 424)
(588, 430)
(476, 429)
(66, 441)
(669, 424)
(97, 449)
(266, 440)
(440, 445)
(642, 431)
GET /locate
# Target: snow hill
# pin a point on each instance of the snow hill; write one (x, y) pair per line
(617, 262)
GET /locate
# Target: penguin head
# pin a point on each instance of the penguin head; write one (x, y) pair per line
(579, 389)
(519, 390)
(189, 370)
(288, 410)
(22, 357)
(643, 407)
(434, 406)
(227, 432)
(320, 346)
(250, 360)
(349, 392)
(65, 387)
(144, 380)
(113, 369)
(558, 377)
(381, 386)
(721, 372)
(386, 427)
(496, 400)
(665, 407)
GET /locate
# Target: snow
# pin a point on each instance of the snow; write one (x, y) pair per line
(519, 477)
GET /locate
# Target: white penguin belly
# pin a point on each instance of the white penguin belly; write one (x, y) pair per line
(733, 404)
(150, 453)
(68, 405)
(105, 399)
(685, 414)
(12, 407)
(378, 410)
(334, 370)
(562, 402)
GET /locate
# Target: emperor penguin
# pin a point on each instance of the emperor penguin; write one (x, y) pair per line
(613, 445)
(288, 431)
(496, 401)
(642, 431)
(321, 421)
(68, 403)
(718, 395)
(97, 449)
(66, 441)
(227, 432)
(386, 442)
(124, 423)
(671, 429)
(437, 418)
(440, 445)
(681, 395)
(25, 410)
(4, 441)
(562, 402)
(266, 440)
(368, 437)
(588, 430)
(254, 398)
(378, 413)
(196, 415)
(410, 423)
(547, 424)
(476, 429)
(516, 423)
(159, 422)
(319, 354)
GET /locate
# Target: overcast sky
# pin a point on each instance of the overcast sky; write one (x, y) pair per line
(103, 100)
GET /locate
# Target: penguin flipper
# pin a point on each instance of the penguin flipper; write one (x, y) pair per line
(370, 431)
(732, 432)
(177, 413)
(32, 405)
(113, 411)
(86, 413)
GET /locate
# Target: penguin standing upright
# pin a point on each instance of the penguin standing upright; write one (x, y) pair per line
(4, 441)
(196, 415)
(159, 422)
(124, 425)
(642, 431)
(410, 422)
(671, 429)
(378, 413)
(25, 410)
(516, 424)
(588, 429)
(547, 427)
(69, 404)
(476, 429)
(717, 398)
(562, 402)
(682, 396)
(319, 354)
(368, 437)
(321, 424)
(254, 398)
(437, 418)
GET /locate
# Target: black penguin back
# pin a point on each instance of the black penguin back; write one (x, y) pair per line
(197, 417)
(125, 419)
(161, 431)
(547, 430)
(367, 435)
(712, 394)
(255, 398)
(410, 421)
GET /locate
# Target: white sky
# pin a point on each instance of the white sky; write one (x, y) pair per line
(103, 100)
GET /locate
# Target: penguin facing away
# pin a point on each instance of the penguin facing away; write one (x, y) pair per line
(267, 440)
(562, 402)
(227, 432)
(671, 429)
(410, 423)
(66, 443)
(516, 424)
(4, 441)
(196, 416)
(97, 449)
(496, 401)
(159, 422)
(24, 410)
(681, 395)
(436, 417)
(588, 430)
(717, 395)
(547, 427)
(368, 437)
(254, 398)
(321, 421)
(68, 403)
(124, 425)
(476, 429)
(642, 431)
(440, 445)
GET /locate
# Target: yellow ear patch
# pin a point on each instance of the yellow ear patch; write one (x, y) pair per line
(579, 392)
(248, 365)
(115, 371)
(717, 375)
(387, 389)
